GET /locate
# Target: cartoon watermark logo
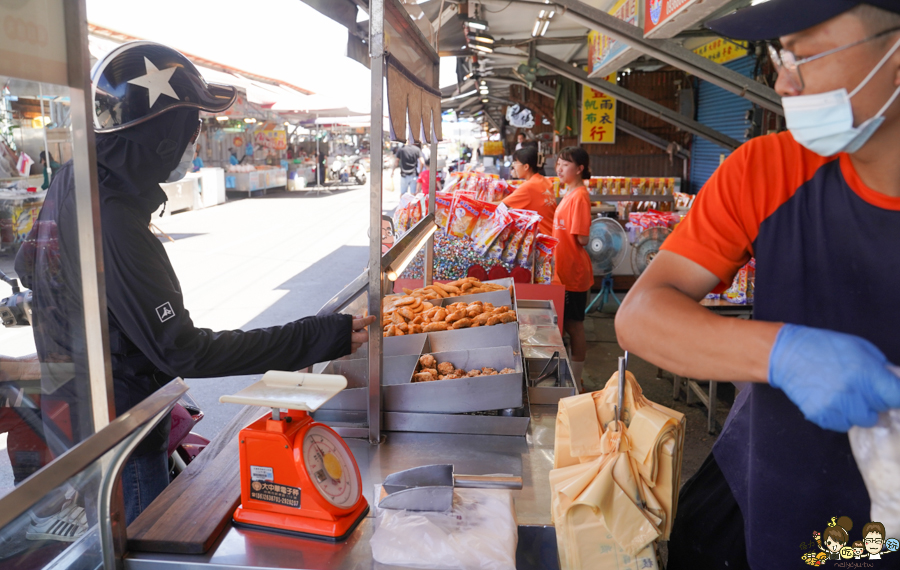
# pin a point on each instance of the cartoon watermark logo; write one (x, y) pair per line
(835, 544)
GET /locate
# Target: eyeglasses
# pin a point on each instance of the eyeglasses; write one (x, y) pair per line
(874, 540)
(786, 62)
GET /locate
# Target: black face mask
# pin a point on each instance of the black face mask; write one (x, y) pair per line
(133, 162)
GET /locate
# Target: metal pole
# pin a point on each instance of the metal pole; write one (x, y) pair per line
(87, 212)
(428, 273)
(638, 102)
(376, 43)
(44, 133)
(670, 52)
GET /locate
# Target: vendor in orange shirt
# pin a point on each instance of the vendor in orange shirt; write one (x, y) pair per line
(535, 194)
(572, 226)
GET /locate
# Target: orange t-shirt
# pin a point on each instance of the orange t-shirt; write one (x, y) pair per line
(535, 195)
(573, 264)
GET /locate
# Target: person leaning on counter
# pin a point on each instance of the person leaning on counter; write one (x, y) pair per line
(819, 208)
(147, 101)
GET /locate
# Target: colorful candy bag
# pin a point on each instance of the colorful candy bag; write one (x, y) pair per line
(544, 259)
(484, 219)
(463, 217)
(401, 216)
(455, 179)
(417, 209)
(523, 258)
(442, 203)
(493, 238)
(520, 228)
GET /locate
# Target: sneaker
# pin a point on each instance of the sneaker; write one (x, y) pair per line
(68, 525)
(71, 499)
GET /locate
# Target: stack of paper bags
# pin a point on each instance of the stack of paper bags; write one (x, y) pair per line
(614, 486)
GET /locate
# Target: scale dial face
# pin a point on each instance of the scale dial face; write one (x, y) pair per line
(331, 467)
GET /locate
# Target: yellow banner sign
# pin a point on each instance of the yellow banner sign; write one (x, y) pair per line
(493, 148)
(722, 51)
(598, 116)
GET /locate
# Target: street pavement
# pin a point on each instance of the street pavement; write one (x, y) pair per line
(250, 263)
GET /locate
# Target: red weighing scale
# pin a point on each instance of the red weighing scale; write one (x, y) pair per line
(297, 476)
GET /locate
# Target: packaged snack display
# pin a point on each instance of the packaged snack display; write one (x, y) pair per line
(483, 222)
(544, 246)
(495, 250)
(442, 203)
(520, 228)
(523, 258)
(417, 209)
(741, 290)
(495, 234)
(464, 215)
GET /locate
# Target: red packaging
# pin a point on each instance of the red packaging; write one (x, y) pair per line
(492, 240)
(520, 228)
(463, 217)
(442, 204)
(523, 258)
(544, 247)
(484, 219)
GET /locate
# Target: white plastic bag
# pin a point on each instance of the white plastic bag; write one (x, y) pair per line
(479, 532)
(877, 454)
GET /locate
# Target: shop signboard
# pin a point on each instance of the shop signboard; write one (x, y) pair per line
(272, 139)
(33, 40)
(605, 54)
(598, 116)
(722, 51)
(493, 148)
(666, 18)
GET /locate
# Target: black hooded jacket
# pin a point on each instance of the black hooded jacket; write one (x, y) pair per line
(152, 337)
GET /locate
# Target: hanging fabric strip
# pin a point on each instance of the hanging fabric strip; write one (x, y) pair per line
(398, 88)
(419, 101)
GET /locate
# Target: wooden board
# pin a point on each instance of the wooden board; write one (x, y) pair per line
(191, 513)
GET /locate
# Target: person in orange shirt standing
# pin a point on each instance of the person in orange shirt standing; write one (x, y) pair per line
(535, 194)
(572, 226)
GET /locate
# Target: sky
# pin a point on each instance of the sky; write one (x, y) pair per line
(281, 39)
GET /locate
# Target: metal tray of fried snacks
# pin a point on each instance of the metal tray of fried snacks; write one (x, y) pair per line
(484, 386)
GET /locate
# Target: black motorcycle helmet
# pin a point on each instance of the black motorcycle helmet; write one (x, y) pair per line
(141, 80)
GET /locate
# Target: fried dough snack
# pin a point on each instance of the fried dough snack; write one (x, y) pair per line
(413, 314)
(426, 371)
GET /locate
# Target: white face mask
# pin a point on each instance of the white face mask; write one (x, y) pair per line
(183, 166)
(823, 122)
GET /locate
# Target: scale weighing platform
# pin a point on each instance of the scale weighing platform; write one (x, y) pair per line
(297, 476)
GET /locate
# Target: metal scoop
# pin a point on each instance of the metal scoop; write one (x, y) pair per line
(430, 488)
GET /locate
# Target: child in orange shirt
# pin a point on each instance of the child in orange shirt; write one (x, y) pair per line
(572, 226)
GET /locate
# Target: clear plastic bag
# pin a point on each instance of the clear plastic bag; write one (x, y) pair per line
(479, 532)
(877, 454)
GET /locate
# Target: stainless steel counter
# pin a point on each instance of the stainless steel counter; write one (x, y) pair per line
(530, 457)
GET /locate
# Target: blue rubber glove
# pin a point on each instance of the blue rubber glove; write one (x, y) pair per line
(837, 380)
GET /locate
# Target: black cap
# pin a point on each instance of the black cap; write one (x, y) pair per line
(776, 18)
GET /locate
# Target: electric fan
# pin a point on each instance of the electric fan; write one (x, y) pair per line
(646, 247)
(606, 248)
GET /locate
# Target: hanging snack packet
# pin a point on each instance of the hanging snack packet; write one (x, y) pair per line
(484, 219)
(523, 258)
(401, 219)
(544, 259)
(520, 228)
(455, 180)
(463, 217)
(416, 209)
(493, 239)
(442, 203)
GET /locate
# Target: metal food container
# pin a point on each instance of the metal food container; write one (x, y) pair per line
(557, 385)
(475, 394)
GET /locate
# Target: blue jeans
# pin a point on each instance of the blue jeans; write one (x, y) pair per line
(408, 183)
(143, 478)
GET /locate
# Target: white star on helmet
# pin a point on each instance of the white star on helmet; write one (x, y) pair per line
(156, 81)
